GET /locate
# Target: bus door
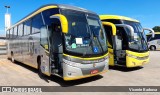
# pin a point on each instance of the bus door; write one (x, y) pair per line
(110, 29)
(120, 46)
(56, 46)
(121, 43)
(115, 44)
(59, 28)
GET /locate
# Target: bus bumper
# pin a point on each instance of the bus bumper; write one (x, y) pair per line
(134, 59)
(80, 77)
(80, 71)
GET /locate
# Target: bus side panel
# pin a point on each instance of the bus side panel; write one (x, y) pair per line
(18, 49)
(45, 64)
(27, 49)
(8, 49)
(35, 48)
(31, 50)
(158, 42)
(14, 47)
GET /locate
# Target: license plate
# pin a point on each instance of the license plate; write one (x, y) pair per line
(94, 71)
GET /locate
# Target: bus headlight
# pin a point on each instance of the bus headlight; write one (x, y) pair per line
(74, 64)
(106, 60)
(130, 55)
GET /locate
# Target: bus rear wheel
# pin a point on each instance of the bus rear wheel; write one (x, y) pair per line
(152, 48)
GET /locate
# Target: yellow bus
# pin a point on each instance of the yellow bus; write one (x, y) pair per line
(128, 47)
(60, 40)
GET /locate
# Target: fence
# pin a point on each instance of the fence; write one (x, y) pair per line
(3, 50)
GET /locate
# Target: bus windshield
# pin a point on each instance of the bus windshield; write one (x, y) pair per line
(139, 42)
(85, 34)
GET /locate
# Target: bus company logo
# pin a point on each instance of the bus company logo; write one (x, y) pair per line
(6, 89)
(21, 89)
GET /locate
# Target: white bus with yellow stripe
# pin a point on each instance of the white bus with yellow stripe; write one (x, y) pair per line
(153, 43)
(60, 40)
(128, 47)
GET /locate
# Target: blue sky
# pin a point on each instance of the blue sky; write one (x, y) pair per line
(146, 11)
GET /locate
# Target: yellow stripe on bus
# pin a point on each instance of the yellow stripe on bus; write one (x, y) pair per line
(104, 17)
(35, 13)
(93, 58)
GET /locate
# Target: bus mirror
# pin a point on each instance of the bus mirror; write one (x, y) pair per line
(111, 25)
(151, 30)
(128, 27)
(63, 21)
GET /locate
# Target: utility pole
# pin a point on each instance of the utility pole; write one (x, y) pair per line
(7, 7)
(7, 18)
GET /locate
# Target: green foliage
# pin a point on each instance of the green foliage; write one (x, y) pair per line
(156, 29)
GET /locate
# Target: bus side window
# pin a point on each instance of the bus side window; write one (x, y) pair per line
(37, 23)
(15, 32)
(11, 33)
(44, 37)
(20, 30)
(46, 15)
(7, 34)
(108, 31)
(27, 28)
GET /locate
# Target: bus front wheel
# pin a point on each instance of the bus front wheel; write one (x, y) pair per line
(152, 47)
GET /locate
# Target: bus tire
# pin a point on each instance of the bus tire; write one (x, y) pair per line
(12, 57)
(153, 48)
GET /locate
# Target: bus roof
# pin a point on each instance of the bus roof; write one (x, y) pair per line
(154, 33)
(104, 17)
(50, 6)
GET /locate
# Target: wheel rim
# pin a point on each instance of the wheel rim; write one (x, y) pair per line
(152, 48)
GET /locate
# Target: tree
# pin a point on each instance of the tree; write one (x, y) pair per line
(156, 28)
